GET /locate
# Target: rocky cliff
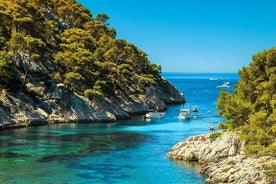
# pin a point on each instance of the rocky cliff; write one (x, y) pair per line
(56, 104)
(60, 64)
(223, 159)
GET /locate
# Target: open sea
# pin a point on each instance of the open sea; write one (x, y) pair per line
(126, 152)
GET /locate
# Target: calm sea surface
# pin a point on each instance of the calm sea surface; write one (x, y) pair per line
(131, 151)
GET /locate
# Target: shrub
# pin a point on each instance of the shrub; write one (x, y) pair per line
(6, 67)
(223, 126)
(73, 80)
(57, 76)
(91, 93)
(261, 150)
(271, 171)
(253, 149)
(214, 136)
(146, 80)
(270, 150)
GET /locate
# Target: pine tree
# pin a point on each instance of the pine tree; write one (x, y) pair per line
(252, 107)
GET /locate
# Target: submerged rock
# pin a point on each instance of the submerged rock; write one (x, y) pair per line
(222, 159)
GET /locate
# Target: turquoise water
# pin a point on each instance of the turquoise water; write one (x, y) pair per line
(132, 151)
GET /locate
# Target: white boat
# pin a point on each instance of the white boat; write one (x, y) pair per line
(151, 115)
(184, 114)
(226, 84)
(212, 78)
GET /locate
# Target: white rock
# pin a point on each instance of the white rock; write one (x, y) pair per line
(226, 163)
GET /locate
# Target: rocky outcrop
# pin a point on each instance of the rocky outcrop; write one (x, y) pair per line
(45, 103)
(197, 148)
(239, 169)
(223, 159)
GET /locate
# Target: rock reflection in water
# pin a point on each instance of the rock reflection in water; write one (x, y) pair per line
(98, 143)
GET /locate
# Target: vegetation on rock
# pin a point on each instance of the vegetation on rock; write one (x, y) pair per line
(60, 39)
(214, 136)
(271, 171)
(251, 109)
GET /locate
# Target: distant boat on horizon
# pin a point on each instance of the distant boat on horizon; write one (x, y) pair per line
(213, 78)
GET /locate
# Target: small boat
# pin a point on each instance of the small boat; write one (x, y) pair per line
(184, 114)
(226, 84)
(212, 78)
(151, 115)
(195, 109)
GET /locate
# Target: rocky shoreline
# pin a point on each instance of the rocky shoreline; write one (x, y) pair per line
(222, 159)
(54, 103)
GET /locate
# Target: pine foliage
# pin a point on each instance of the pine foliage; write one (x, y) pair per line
(251, 109)
(82, 50)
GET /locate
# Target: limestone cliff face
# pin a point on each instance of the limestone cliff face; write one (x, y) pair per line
(56, 104)
(223, 159)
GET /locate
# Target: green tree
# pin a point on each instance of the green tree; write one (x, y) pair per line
(72, 13)
(73, 80)
(25, 50)
(102, 18)
(51, 34)
(79, 37)
(251, 109)
(77, 49)
(97, 29)
(25, 18)
(6, 67)
(76, 53)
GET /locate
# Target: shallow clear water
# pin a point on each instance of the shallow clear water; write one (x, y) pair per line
(132, 151)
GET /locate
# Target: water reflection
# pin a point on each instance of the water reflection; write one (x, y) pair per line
(66, 141)
(13, 155)
(188, 165)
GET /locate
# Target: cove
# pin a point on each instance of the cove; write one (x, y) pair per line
(123, 152)
(132, 151)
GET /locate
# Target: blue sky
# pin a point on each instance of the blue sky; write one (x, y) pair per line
(193, 35)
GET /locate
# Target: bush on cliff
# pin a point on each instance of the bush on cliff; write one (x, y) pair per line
(214, 136)
(251, 109)
(62, 37)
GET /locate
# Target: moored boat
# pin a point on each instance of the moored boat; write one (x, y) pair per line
(195, 109)
(155, 114)
(225, 85)
(184, 114)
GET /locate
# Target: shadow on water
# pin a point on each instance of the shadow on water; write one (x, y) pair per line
(188, 165)
(109, 170)
(92, 144)
(128, 151)
(13, 155)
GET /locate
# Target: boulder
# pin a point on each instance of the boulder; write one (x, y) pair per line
(197, 148)
(223, 159)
